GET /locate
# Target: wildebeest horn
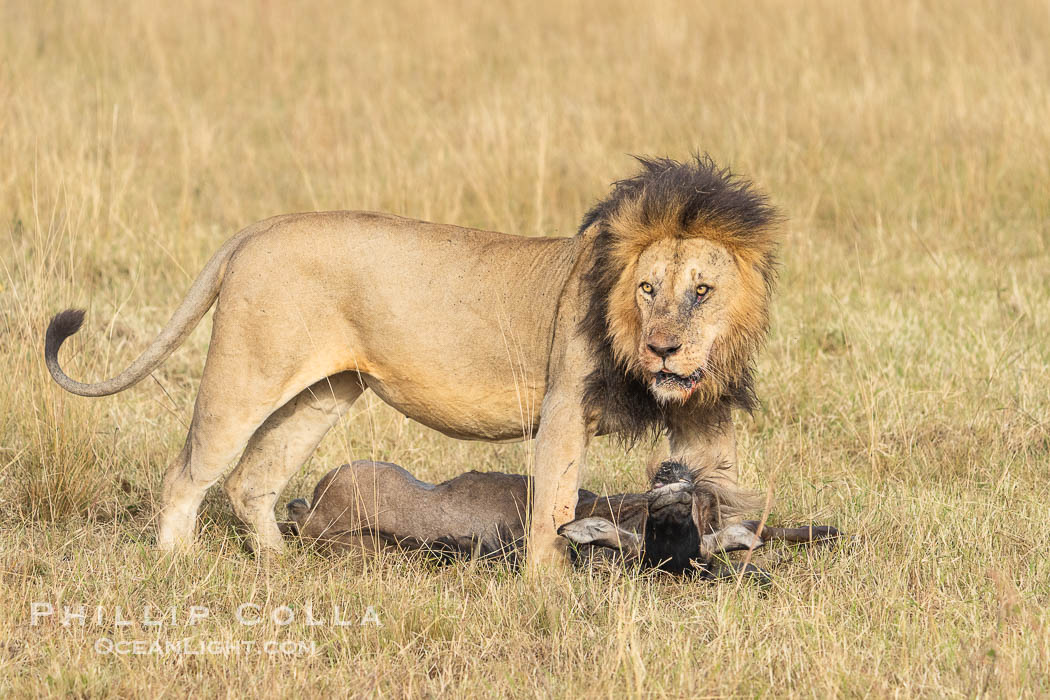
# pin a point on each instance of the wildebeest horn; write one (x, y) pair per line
(731, 539)
(603, 533)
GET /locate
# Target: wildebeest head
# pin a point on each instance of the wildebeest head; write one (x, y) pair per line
(683, 527)
(670, 538)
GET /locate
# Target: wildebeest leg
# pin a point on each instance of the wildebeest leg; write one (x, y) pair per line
(280, 447)
(797, 535)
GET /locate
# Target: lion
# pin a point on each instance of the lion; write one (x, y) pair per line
(676, 526)
(646, 321)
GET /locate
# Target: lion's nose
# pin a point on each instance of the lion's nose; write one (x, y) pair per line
(663, 347)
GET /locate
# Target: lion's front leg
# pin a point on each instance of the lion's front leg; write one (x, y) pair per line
(706, 441)
(561, 448)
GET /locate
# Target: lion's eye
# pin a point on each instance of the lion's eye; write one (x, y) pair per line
(646, 287)
(702, 290)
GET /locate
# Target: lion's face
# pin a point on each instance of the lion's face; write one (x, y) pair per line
(683, 265)
(684, 291)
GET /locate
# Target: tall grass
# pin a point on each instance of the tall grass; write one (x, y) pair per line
(904, 386)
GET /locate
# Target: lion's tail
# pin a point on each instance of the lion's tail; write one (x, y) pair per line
(198, 300)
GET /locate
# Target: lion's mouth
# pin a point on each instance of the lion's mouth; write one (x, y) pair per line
(663, 378)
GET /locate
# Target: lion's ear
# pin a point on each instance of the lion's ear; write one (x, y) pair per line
(602, 533)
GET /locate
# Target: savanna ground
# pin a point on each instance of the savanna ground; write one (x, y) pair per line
(904, 385)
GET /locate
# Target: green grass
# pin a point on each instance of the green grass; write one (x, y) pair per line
(904, 387)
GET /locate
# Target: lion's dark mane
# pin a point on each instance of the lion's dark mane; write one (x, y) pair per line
(698, 192)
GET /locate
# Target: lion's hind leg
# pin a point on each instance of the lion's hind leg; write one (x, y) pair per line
(235, 398)
(280, 447)
(215, 439)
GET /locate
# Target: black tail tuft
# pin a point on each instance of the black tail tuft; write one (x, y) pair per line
(63, 325)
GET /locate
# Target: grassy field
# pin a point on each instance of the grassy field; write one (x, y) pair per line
(905, 385)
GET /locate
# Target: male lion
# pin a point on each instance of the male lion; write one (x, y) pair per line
(647, 319)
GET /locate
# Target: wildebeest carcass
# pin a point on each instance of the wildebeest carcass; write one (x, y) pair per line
(675, 526)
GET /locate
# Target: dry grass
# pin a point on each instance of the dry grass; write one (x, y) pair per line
(905, 384)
